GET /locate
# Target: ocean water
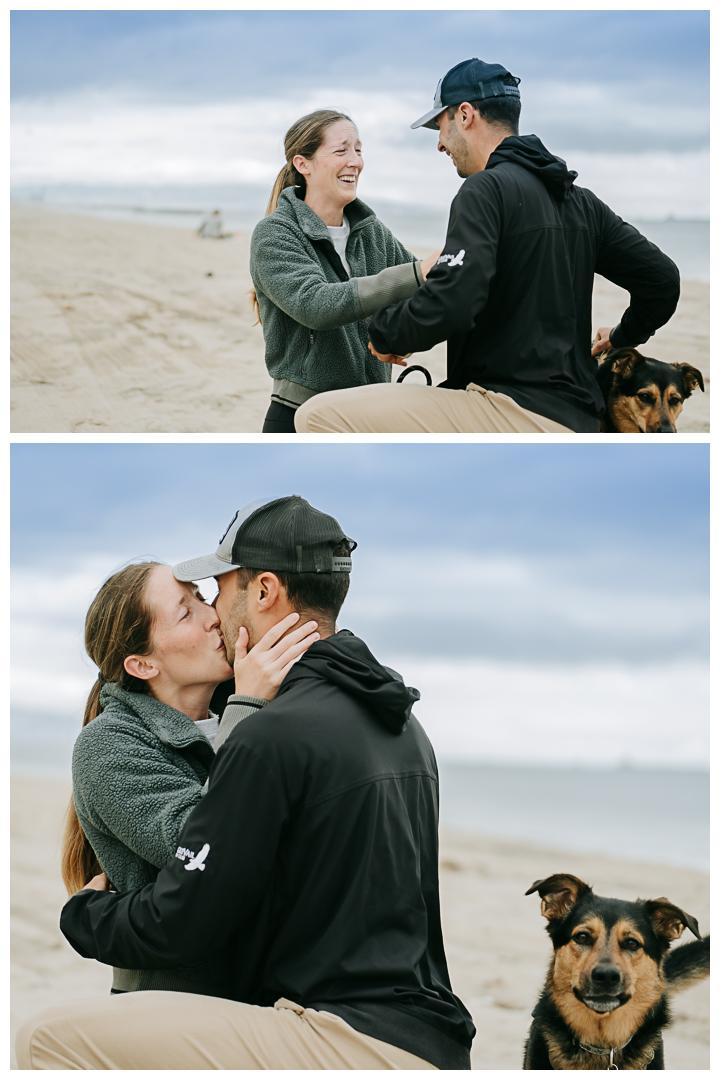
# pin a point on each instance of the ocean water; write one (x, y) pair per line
(648, 815)
(643, 815)
(687, 242)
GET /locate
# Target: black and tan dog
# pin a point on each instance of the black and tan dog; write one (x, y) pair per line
(642, 394)
(605, 1001)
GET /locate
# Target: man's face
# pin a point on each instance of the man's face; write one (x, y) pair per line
(453, 143)
(231, 606)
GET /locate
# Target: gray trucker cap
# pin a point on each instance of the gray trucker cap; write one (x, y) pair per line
(285, 534)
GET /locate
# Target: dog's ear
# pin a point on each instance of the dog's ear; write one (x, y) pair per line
(668, 920)
(624, 360)
(558, 894)
(691, 377)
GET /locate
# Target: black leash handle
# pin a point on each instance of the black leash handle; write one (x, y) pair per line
(416, 367)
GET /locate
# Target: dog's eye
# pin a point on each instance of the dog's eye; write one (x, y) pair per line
(632, 944)
(674, 402)
(582, 938)
(647, 399)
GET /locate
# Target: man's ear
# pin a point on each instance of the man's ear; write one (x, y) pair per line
(558, 894)
(468, 114)
(268, 590)
(140, 667)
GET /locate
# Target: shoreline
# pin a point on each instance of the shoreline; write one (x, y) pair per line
(495, 938)
(127, 327)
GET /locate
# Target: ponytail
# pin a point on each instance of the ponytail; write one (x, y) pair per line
(287, 177)
(118, 623)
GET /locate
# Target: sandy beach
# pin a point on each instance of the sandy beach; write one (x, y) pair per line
(120, 327)
(496, 944)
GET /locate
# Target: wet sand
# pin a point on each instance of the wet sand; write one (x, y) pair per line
(120, 327)
(495, 938)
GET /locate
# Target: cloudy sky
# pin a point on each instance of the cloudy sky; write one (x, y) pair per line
(160, 97)
(549, 602)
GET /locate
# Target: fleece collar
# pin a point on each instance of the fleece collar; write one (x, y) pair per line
(172, 727)
(357, 213)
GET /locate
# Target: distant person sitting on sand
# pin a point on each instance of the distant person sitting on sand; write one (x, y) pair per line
(149, 736)
(212, 227)
(512, 292)
(322, 263)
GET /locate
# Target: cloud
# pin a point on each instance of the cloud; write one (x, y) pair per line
(650, 160)
(544, 658)
(220, 55)
(596, 505)
(539, 581)
(598, 117)
(602, 714)
(569, 609)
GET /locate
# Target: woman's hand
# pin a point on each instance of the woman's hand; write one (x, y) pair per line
(427, 264)
(260, 672)
(389, 358)
(100, 883)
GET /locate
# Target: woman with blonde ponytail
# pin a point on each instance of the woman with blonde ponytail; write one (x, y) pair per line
(322, 263)
(149, 736)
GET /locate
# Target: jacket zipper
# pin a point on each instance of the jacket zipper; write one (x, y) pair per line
(305, 358)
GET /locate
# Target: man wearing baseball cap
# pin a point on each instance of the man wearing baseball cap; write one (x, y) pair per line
(512, 292)
(312, 858)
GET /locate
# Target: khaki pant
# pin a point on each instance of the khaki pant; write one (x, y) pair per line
(400, 407)
(160, 1029)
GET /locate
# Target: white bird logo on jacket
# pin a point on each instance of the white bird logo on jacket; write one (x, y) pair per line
(198, 861)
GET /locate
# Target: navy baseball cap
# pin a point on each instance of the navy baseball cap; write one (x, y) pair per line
(471, 80)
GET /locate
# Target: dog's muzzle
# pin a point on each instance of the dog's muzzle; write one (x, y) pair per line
(604, 990)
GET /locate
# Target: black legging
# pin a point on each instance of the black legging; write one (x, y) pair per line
(279, 419)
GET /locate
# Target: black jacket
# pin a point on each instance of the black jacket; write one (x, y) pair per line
(317, 841)
(513, 296)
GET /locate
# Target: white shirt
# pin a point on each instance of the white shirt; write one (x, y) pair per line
(209, 727)
(339, 236)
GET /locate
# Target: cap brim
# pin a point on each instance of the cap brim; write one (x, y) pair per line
(428, 120)
(203, 567)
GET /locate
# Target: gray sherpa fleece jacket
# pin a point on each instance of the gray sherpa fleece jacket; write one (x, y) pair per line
(315, 319)
(138, 770)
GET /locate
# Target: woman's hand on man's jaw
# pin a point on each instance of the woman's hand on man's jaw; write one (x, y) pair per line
(260, 672)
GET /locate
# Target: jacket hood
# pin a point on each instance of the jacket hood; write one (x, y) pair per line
(346, 661)
(528, 151)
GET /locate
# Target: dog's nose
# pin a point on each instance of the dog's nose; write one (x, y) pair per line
(606, 977)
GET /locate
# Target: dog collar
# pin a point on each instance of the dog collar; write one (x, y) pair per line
(602, 1051)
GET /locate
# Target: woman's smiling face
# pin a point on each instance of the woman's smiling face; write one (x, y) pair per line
(187, 646)
(332, 173)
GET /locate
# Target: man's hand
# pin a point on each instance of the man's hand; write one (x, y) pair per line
(100, 883)
(260, 672)
(427, 264)
(389, 358)
(602, 341)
